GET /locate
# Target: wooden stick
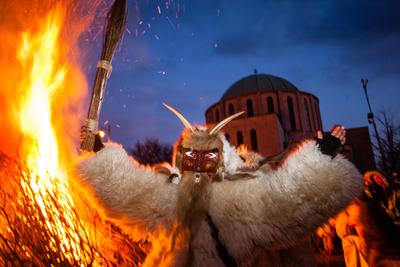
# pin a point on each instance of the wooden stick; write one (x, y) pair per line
(114, 31)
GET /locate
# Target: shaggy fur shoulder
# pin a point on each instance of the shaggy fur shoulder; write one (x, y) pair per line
(278, 207)
(232, 160)
(136, 197)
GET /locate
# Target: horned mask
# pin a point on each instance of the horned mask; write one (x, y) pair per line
(199, 149)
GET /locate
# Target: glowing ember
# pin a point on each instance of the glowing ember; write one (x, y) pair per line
(44, 77)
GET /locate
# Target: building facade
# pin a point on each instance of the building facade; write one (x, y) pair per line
(277, 113)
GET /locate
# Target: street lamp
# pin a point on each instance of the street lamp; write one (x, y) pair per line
(371, 120)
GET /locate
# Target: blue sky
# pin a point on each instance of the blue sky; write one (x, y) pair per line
(191, 52)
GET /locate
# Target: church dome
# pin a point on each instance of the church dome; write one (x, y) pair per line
(258, 82)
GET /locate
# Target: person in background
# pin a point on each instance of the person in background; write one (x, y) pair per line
(380, 231)
(350, 230)
(327, 233)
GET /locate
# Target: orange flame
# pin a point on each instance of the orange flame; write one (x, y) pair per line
(43, 56)
(41, 101)
(42, 90)
(44, 78)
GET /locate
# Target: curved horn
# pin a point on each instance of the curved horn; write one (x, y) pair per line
(180, 116)
(220, 125)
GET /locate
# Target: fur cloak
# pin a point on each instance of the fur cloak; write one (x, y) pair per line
(271, 209)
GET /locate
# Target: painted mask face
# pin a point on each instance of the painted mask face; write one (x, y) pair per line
(207, 157)
(200, 161)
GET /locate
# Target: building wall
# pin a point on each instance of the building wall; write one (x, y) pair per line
(361, 148)
(274, 131)
(260, 112)
(270, 139)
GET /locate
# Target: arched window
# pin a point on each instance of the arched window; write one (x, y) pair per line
(253, 136)
(217, 115)
(231, 110)
(270, 104)
(239, 137)
(249, 105)
(227, 136)
(308, 114)
(291, 113)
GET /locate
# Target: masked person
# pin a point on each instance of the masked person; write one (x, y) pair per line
(217, 212)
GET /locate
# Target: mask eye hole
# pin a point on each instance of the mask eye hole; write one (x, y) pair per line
(211, 155)
(189, 154)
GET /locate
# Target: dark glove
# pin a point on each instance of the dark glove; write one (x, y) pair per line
(329, 145)
(98, 144)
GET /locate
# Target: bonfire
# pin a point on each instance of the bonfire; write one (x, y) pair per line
(44, 219)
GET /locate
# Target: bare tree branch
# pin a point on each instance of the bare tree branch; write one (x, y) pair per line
(151, 151)
(390, 140)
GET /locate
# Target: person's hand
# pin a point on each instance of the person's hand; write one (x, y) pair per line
(98, 143)
(329, 144)
(83, 133)
(337, 131)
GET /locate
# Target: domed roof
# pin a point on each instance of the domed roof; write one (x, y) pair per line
(258, 82)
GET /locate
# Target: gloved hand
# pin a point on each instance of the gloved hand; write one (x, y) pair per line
(330, 143)
(98, 143)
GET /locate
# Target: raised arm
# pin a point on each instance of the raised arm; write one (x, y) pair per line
(278, 207)
(130, 194)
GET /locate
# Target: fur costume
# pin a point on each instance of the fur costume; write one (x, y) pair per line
(242, 209)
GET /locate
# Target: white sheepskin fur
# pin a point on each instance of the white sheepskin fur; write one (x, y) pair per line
(272, 210)
(232, 160)
(138, 198)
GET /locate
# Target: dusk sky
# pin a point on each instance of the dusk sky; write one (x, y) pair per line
(189, 54)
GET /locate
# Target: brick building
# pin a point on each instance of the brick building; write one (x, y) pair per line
(358, 149)
(277, 114)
